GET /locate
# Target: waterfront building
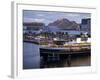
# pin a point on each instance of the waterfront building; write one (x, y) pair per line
(86, 25)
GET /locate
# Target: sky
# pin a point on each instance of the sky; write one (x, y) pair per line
(50, 16)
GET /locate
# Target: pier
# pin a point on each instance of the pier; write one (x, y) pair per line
(57, 54)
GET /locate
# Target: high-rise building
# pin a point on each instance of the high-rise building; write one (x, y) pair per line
(86, 25)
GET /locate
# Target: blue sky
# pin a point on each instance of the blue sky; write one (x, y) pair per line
(48, 16)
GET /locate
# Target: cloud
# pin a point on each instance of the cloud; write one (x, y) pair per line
(28, 20)
(34, 20)
(73, 15)
(39, 15)
(39, 20)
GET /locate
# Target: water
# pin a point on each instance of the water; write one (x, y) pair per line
(31, 56)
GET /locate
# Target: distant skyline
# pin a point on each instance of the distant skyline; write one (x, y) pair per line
(50, 16)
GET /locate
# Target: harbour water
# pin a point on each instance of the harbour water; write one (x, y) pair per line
(31, 58)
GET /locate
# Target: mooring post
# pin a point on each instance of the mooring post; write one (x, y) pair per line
(69, 60)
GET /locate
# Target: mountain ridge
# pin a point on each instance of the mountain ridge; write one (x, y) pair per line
(65, 24)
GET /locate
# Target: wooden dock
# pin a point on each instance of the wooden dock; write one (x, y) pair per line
(58, 53)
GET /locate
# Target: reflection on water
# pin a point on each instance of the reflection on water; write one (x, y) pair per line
(77, 60)
(31, 58)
